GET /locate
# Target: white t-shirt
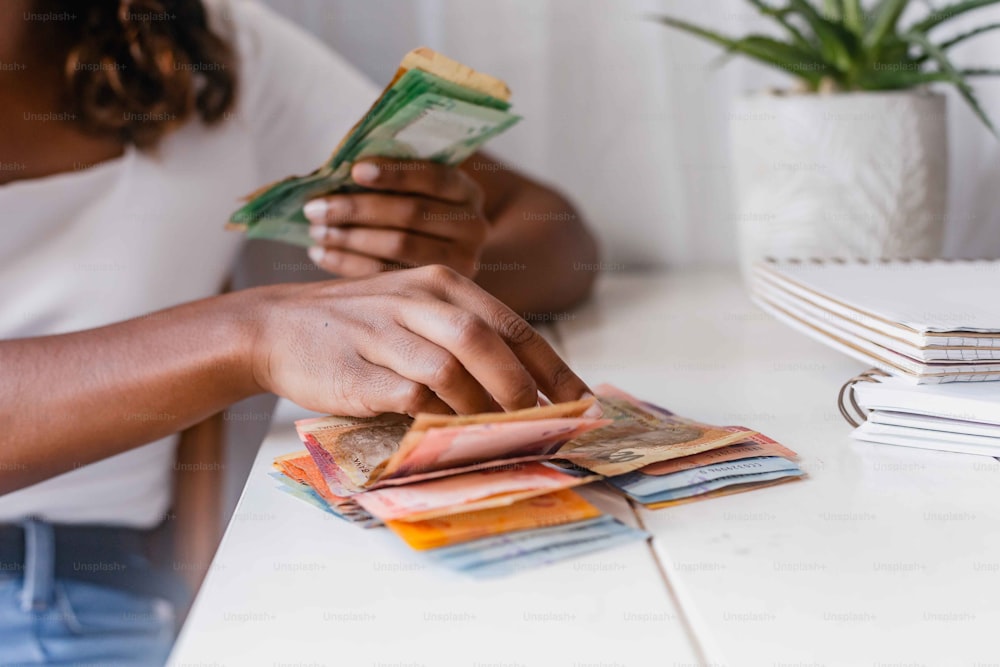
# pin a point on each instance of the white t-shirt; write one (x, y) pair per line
(145, 231)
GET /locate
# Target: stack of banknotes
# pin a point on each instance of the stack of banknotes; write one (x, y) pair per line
(493, 493)
(434, 109)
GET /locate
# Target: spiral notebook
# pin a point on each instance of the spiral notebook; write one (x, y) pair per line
(928, 321)
(955, 417)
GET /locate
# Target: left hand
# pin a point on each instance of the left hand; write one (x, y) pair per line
(420, 213)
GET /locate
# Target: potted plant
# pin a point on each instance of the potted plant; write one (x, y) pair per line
(851, 162)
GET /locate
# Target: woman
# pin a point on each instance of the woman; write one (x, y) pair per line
(129, 129)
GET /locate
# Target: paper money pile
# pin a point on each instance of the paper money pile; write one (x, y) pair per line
(491, 494)
(433, 109)
(660, 459)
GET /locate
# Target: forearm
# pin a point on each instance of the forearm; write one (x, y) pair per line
(540, 257)
(76, 398)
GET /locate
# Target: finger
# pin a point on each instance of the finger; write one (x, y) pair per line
(417, 359)
(479, 349)
(419, 214)
(382, 390)
(350, 264)
(554, 377)
(387, 244)
(432, 179)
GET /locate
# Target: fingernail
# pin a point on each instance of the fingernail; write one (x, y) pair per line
(365, 171)
(317, 232)
(316, 254)
(595, 411)
(315, 210)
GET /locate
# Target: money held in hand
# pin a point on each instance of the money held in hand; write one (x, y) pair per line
(434, 109)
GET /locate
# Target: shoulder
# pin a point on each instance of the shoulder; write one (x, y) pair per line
(297, 97)
(273, 49)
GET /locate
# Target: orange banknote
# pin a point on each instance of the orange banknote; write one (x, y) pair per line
(300, 467)
(552, 509)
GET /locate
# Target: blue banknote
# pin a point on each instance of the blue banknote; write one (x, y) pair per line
(506, 554)
(648, 489)
(639, 484)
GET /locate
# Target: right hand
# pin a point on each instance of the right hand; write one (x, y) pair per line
(418, 340)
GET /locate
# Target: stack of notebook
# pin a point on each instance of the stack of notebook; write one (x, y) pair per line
(931, 329)
(926, 321)
(958, 417)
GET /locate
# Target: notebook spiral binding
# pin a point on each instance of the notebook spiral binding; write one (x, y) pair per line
(845, 399)
(878, 260)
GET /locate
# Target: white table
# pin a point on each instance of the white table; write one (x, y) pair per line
(883, 556)
(294, 586)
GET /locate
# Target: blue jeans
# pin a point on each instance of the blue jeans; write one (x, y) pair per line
(50, 620)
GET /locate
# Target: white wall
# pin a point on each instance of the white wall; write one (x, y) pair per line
(629, 117)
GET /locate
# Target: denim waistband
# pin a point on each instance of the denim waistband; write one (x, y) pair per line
(117, 557)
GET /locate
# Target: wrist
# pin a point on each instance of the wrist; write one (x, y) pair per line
(262, 317)
(245, 320)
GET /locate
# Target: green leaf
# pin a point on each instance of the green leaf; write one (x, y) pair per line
(942, 14)
(966, 35)
(836, 44)
(787, 56)
(982, 71)
(792, 59)
(780, 16)
(964, 89)
(833, 10)
(886, 16)
(944, 46)
(854, 17)
(894, 51)
(690, 28)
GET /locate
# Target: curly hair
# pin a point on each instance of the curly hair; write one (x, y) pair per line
(137, 69)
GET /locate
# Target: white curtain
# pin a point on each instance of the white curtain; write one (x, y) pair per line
(629, 117)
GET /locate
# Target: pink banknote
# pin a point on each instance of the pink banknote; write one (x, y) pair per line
(467, 492)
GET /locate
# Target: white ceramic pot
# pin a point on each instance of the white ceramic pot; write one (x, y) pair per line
(852, 175)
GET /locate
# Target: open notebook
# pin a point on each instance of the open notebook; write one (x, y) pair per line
(930, 321)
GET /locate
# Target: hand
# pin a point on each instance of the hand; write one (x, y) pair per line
(419, 340)
(422, 213)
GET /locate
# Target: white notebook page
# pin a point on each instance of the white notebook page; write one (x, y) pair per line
(924, 296)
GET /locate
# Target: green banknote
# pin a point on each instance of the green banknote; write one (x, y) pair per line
(420, 117)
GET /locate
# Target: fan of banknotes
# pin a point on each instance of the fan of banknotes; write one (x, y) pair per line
(491, 494)
(433, 109)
